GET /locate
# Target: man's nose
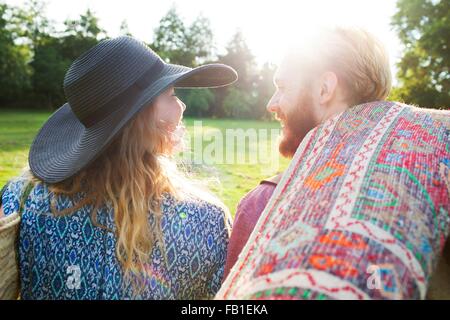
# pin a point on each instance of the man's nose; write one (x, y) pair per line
(272, 105)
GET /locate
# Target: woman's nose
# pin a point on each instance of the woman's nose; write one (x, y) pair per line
(183, 106)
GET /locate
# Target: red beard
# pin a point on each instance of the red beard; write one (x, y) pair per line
(296, 125)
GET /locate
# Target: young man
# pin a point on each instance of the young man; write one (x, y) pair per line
(340, 69)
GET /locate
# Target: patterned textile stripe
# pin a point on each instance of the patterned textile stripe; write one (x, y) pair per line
(340, 216)
(323, 282)
(353, 180)
(361, 213)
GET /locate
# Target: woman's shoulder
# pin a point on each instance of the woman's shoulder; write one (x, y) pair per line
(12, 193)
(197, 209)
(192, 205)
(15, 185)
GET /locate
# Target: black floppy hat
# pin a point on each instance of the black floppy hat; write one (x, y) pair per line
(105, 87)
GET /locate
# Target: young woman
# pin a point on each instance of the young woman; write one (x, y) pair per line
(104, 213)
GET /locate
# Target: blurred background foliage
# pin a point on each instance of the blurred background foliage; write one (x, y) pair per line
(423, 27)
(34, 58)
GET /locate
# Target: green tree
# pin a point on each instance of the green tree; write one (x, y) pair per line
(238, 56)
(170, 39)
(86, 26)
(54, 54)
(198, 101)
(80, 35)
(238, 103)
(180, 44)
(423, 26)
(32, 24)
(14, 70)
(200, 40)
(49, 67)
(125, 29)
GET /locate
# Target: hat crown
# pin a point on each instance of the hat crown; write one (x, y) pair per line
(105, 71)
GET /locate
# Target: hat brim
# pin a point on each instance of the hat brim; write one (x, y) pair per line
(64, 146)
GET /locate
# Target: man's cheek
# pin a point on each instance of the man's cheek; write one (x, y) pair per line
(288, 104)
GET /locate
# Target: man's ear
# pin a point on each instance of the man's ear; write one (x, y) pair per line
(328, 87)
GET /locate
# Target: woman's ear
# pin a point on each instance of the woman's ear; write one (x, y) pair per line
(328, 87)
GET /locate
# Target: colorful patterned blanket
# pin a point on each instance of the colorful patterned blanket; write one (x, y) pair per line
(361, 213)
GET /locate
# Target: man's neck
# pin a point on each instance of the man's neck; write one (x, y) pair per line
(334, 109)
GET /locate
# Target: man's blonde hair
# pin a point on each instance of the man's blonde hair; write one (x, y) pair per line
(359, 60)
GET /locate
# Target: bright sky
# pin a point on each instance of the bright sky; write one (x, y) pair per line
(269, 26)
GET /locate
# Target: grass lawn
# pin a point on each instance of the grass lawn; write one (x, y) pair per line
(229, 181)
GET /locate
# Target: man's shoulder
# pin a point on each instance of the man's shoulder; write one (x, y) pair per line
(438, 116)
(254, 202)
(264, 189)
(274, 180)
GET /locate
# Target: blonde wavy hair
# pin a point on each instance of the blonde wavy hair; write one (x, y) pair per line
(132, 175)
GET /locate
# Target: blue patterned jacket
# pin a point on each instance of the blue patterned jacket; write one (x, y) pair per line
(67, 257)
